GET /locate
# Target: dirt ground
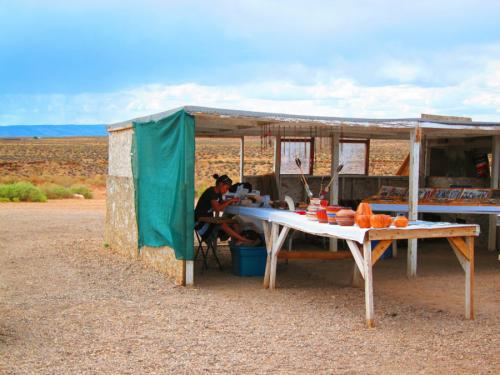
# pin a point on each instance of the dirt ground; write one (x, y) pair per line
(68, 305)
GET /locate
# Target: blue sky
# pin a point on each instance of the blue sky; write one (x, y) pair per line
(105, 61)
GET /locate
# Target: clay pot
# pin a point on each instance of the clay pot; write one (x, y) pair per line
(380, 221)
(333, 208)
(321, 215)
(345, 217)
(331, 216)
(364, 209)
(401, 222)
(363, 221)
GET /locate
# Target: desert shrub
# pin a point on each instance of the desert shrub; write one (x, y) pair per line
(81, 189)
(22, 192)
(54, 191)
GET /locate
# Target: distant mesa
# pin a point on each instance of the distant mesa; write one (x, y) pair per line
(52, 131)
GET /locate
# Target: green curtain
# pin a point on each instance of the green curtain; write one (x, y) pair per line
(163, 170)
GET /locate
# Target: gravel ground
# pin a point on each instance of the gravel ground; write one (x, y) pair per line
(67, 305)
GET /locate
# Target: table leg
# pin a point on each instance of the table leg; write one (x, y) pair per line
(469, 280)
(367, 260)
(276, 247)
(464, 250)
(268, 235)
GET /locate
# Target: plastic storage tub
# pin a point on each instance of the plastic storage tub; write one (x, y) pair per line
(248, 260)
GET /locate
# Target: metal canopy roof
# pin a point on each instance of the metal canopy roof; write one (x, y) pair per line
(216, 122)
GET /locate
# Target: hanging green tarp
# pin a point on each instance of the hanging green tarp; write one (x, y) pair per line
(163, 169)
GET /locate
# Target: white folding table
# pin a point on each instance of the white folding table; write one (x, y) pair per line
(460, 237)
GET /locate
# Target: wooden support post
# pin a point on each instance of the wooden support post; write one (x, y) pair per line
(415, 145)
(427, 160)
(242, 158)
(367, 261)
(495, 170)
(277, 163)
(189, 273)
(334, 189)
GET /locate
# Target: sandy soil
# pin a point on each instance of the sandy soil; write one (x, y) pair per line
(67, 305)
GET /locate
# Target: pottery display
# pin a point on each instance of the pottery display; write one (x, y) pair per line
(321, 215)
(345, 217)
(401, 222)
(363, 221)
(380, 221)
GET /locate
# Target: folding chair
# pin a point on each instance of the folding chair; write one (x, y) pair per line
(205, 245)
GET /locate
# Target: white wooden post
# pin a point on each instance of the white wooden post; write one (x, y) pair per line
(242, 158)
(367, 260)
(334, 188)
(492, 236)
(415, 145)
(189, 273)
(277, 162)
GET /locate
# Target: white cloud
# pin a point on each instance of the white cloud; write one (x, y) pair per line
(477, 96)
(475, 93)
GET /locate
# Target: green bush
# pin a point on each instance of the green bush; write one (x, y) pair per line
(81, 189)
(54, 191)
(21, 192)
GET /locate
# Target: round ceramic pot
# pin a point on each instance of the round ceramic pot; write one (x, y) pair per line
(321, 215)
(331, 218)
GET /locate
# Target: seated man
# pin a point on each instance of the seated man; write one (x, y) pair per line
(211, 202)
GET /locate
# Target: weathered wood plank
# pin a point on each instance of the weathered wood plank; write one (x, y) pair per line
(461, 259)
(379, 250)
(398, 234)
(326, 255)
(460, 245)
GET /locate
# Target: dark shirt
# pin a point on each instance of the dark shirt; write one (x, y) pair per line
(204, 205)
